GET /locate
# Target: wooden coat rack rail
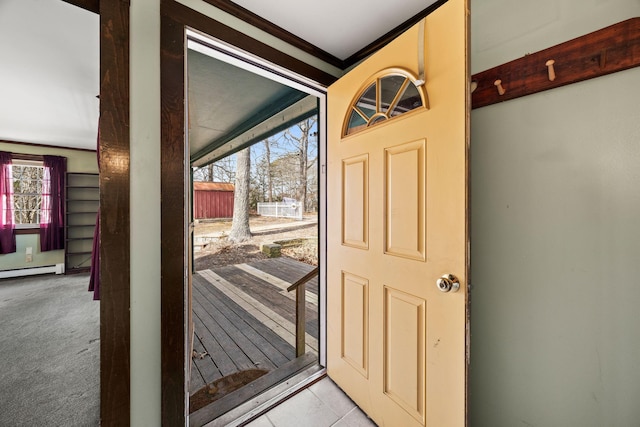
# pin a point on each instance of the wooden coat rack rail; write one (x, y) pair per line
(605, 51)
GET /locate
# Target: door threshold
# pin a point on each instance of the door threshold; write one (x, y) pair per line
(261, 403)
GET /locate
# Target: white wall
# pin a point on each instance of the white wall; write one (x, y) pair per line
(555, 231)
(145, 212)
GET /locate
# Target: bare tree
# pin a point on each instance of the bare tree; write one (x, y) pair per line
(223, 170)
(300, 138)
(240, 230)
(285, 176)
(27, 189)
(267, 149)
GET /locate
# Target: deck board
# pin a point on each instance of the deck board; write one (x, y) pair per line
(243, 321)
(288, 270)
(246, 354)
(270, 295)
(213, 340)
(255, 345)
(205, 367)
(278, 349)
(283, 285)
(276, 323)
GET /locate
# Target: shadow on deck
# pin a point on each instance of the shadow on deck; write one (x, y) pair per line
(244, 322)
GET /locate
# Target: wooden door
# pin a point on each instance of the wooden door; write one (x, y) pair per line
(397, 222)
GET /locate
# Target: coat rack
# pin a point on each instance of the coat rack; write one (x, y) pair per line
(605, 51)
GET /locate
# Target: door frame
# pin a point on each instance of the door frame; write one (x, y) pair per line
(176, 19)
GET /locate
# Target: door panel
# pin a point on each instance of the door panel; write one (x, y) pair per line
(404, 172)
(404, 351)
(355, 322)
(355, 208)
(397, 221)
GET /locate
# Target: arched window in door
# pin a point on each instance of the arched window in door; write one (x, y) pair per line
(387, 95)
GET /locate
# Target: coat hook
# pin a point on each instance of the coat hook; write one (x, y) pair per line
(551, 70)
(498, 84)
(603, 58)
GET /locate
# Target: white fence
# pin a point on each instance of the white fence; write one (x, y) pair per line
(287, 209)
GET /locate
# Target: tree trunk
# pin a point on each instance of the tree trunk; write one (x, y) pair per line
(303, 165)
(240, 231)
(267, 147)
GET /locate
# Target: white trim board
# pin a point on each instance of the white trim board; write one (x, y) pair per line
(23, 272)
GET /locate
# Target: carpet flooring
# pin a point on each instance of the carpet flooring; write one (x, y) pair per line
(49, 352)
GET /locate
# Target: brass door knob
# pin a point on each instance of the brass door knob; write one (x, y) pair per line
(448, 283)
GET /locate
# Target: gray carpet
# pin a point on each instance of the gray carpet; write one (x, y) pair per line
(49, 352)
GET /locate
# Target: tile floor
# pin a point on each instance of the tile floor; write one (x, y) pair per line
(321, 405)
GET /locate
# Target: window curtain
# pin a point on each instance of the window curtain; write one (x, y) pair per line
(94, 279)
(7, 226)
(52, 208)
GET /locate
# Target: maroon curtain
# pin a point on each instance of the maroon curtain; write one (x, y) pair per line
(94, 279)
(7, 234)
(52, 208)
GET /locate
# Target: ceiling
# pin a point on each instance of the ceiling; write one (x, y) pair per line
(339, 27)
(49, 76)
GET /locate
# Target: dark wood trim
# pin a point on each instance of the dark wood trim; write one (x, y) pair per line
(193, 19)
(173, 163)
(90, 5)
(31, 157)
(55, 147)
(391, 35)
(276, 31)
(115, 338)
(608, 50)
(21, 231)
(174, 19)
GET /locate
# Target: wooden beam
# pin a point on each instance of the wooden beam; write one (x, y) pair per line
(611, 49)
(53, 147)
(114, 215)
(90, 5)
(174, 201)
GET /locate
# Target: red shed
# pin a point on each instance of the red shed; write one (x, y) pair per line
(212, 200)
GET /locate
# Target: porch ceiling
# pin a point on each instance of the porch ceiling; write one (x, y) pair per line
(231, 105)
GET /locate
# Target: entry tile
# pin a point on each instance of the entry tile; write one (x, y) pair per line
(323, 404)
(327, 391)
(263, 421)
(355, 418)
(305, 408)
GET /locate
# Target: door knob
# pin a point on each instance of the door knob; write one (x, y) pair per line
(448, 283)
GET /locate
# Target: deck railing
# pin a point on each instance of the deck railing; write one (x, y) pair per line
(301, 303)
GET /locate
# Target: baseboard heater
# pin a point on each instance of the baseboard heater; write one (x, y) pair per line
(22, 272)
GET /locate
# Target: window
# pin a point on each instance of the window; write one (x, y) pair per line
(27, 179)
(389, 95)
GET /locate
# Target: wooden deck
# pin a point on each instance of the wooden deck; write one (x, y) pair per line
(245, 319)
